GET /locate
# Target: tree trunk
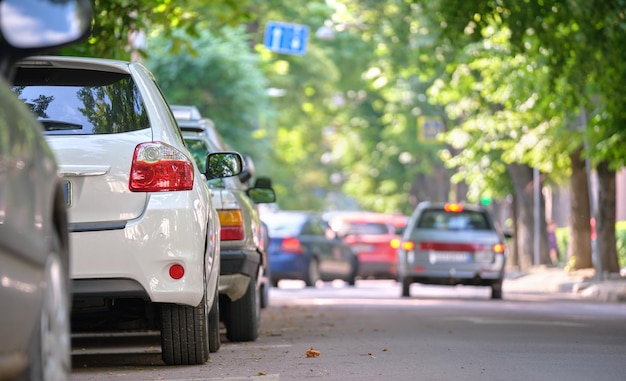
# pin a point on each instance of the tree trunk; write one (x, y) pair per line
(579, 246)
(523, 183)
(513, 262)
(606, 243)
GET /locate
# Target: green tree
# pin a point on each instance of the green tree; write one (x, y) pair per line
(221, 77)
(581, 41)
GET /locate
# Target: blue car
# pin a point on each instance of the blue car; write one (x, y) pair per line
(303, 247)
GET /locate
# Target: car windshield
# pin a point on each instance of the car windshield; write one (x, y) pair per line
(439, 219)
(82, 102)
(199, 152)
(284, 225)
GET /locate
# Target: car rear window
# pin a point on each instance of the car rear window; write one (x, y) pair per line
(284, 225)
(364, 228)
(440, 219)
(84, 102)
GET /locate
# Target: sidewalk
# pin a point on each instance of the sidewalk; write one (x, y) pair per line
(582, 284)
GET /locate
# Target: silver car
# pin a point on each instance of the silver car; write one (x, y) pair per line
(34, 249)
(450, 244)
(243, 284)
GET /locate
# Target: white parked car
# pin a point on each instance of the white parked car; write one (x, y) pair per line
(244, 282)
(143, 231)
(35, 341)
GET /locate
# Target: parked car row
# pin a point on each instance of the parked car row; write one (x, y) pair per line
(117, 220)
(441, 243)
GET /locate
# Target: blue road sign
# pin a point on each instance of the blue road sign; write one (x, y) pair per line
(286, 38)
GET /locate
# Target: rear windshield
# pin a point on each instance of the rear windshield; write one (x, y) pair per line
(284, 225)
(364, 228)
(439, 219)
(84, 102)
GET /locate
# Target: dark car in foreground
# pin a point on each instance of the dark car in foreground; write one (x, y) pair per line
(303, 247)
(450, 244)
(34, 244)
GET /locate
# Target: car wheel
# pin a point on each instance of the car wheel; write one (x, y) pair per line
(496, 290)
(354, 272)
(406, 287)
(50, 349)
(242, 321)
(184, 334)
(214, 325)
(265, 294)
(313, 273)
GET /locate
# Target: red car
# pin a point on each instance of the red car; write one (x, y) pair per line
(374, 237)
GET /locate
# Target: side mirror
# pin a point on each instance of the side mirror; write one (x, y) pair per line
(30, 27)
(223, 164)
(261, 195)
(263, 182)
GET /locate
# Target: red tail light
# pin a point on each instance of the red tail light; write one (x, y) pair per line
(231, 222)
(291, 245)
(159, 167)
(394, 243)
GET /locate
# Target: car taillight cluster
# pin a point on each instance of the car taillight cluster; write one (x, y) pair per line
(498, 248)
(159, 167)
(291, 245)
(231, 222)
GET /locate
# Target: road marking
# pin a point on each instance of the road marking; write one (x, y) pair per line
(480, 320)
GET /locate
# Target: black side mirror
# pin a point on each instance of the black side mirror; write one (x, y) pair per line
(223, 164)
(261, 195)
(263, 182)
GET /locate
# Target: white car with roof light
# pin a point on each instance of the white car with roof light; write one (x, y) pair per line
(143, 230)
(450, 244)
(244, 283)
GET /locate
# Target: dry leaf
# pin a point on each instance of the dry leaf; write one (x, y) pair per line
(312, 352)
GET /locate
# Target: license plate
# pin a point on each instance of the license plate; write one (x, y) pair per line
(67, 191)
(449, 257)
(361, 248)
(483, 256)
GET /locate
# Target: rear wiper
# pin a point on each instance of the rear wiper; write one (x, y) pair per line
(59, 125)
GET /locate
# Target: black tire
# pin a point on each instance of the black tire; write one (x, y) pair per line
(313, 273)
(354, 273)
(242, 319)
(214, 325)
(265, 294)
(496, 290)
(185, 334)
(406, 287)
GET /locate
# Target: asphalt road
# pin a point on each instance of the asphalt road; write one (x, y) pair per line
(368, 332)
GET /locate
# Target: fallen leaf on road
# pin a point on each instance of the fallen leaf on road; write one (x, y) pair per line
(312, 352)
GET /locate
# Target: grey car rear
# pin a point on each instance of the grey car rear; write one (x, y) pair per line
(452, 244)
